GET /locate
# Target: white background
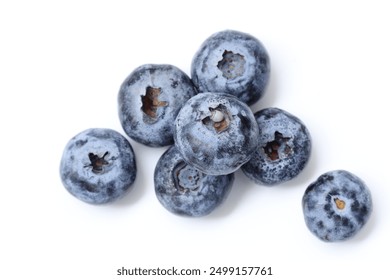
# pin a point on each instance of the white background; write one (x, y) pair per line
(61, 65)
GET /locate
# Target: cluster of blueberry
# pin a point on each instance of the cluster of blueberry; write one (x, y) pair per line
(212, 132)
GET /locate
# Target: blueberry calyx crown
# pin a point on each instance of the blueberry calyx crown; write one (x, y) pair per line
(150, 102)
(187, 178)
(272, 148)
(231, 65)
(97, 162)
(218, 119)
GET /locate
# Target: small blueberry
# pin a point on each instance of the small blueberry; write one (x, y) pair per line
(283, 151)
(232, 62)
(149, 100)
(98, 166)
(336, 206)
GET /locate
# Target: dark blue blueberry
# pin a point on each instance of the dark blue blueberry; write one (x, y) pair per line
(216, 133)
(98, 166)
(336, 206)
(184, 190)
(149, 100)
(283, 151)
(232, 62)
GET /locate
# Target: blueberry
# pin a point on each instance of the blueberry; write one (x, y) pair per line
(149, 100)
(336, 206)
(98, 166)
(284, 148)
(184, 190)
(216, 133)
(232, 62)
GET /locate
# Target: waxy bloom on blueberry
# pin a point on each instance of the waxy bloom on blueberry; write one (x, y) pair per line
(216, 133)
(283, 151)
(336, 206)
(232, 62)
(98, 166)
(186, 191)
(149, 100)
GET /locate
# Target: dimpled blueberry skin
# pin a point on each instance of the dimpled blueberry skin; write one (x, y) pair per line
(98, 166)
(283, 151)
(184, 190)
(216, 133)
(149, 100)
(336, 206)
(232, 62)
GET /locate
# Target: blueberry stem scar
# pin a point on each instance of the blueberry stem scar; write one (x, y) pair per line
(340, 204)
(218, 119)
(97, 162)
(231, 65)
(150, 102)
(272, 147)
